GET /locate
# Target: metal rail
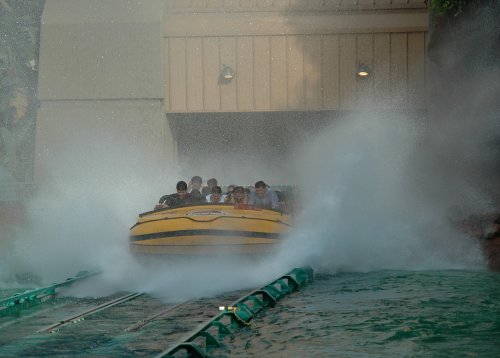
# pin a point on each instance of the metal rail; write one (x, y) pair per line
(239, 314)
(137, 326)
(81, 316)
(38, 295)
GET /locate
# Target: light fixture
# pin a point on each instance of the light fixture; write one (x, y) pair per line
(226, 74)
(363, 70)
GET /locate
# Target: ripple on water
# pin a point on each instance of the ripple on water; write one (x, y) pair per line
(386, 313)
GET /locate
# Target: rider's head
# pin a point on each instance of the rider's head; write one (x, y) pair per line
(181, 189)
(260, 189)
(196, 182)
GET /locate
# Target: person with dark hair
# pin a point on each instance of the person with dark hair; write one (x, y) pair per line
(194, 189)
(238, 196)
(230, 189)
(208, 189)
(216, 196)
(181, 197)
(262, 197)
(195, 183)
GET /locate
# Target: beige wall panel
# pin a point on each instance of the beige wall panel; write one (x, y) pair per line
(197, 3)
(294, 5)
(332, 4)
(228, 58)
(245, 73)
(98, 11)
(317, 5)
(331, 71)
(295, 67)
(166, 71)
(347, 4)
(264, 4)
(96, 50)
(109, 137)
(88, 61)
(416, 70)
(364, 4)
(247, 4)
(213, 4)
(231, 4)
(298, 5)
(381, 69)
(194, 61)
(399, 69)
(364, 85)
(262, 73)
(211, 71)
(275, 23)
(347, 48)
(313, 72)
(280, 4)
(278, 73)
(175, 4)
(178, 89)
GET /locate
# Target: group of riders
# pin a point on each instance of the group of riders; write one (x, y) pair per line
(260, 195)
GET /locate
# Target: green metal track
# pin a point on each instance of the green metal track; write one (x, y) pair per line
(239, 314)
(36, 296)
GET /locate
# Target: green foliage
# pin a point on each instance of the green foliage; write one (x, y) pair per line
(445, 7)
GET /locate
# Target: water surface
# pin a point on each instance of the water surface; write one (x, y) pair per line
(376, 314)
(383, 314)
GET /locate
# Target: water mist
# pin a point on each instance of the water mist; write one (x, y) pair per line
(362, 208)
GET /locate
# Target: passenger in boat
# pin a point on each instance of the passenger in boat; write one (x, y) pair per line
(229, 193)
(216, 196)
(182, 197)
(195, 190)
(197, 197)
(262, 197)
(230, 189)
(207, 190)
(238, 196)
(195, 183)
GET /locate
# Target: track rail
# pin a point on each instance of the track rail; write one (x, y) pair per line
(157, 315)
(80, 316)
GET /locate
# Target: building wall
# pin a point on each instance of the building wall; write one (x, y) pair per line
(96, 49)
(291, 55)
(116, 67)
(296, 72)
(101, 74)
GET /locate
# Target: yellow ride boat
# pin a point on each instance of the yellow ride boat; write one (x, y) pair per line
(209, 229)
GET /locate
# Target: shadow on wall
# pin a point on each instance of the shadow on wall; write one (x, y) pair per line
(244, 147)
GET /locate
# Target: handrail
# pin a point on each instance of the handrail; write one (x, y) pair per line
(39, 295)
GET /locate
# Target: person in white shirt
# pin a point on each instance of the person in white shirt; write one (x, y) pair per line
(216, 196)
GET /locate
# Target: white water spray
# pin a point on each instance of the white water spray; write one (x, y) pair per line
(362, 207)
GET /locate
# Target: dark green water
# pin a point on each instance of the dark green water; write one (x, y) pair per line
(375, 314)
(383, 314)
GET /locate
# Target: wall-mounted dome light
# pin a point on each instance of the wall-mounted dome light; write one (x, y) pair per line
(363, 71)
(226, 74)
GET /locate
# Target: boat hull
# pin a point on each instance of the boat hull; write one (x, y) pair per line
(208, 230)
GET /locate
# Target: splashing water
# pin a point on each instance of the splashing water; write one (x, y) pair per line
(363, 207)
(362, 210)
